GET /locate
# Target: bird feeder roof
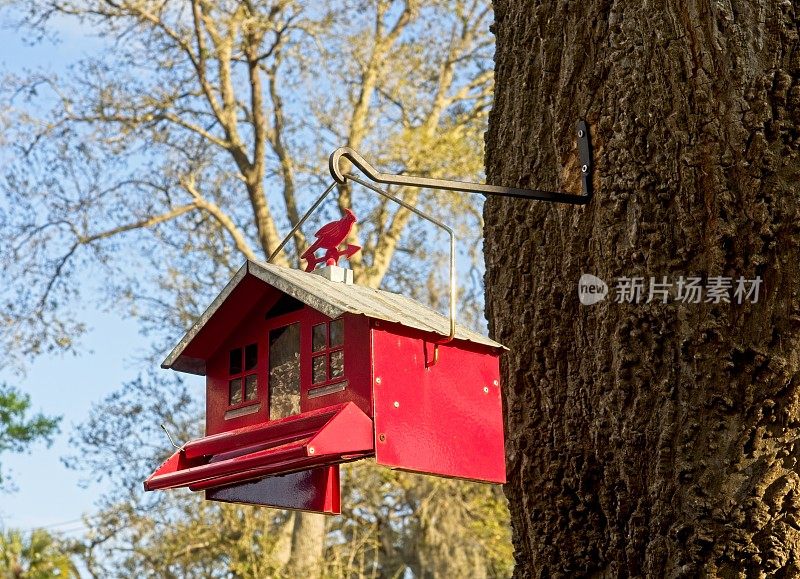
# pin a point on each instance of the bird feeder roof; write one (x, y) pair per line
(328, 297)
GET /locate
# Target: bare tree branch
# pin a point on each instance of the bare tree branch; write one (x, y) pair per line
(222, 218)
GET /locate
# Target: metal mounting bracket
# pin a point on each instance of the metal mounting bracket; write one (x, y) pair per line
(584, 153)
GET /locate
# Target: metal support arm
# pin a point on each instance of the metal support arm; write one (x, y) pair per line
(584, 152)
(339, 176)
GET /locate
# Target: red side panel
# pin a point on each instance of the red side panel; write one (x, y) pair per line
(446, 419)
(315, 490)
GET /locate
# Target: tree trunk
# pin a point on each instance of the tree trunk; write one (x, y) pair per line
(651, 439)
(282, 551)
(308, 546)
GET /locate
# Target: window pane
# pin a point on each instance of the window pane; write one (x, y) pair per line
(250, 357)
(250, 387)
(337, 333)
(337, 363)
(235, 364)
(284, 371)
(234, 391)
(318, 338)
(318, 370)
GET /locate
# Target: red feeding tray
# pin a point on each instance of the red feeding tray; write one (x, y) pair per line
(328, 436)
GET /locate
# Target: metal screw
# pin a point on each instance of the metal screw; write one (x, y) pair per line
(496, 382)
(311, 450)
(382, 437)
(396, 404)
(580, 133)
(378, 380)
(485, 389)
(585, 168)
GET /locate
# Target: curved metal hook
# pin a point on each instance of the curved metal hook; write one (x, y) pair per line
(584, 152)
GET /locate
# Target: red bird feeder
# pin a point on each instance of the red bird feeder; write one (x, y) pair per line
(306, 370)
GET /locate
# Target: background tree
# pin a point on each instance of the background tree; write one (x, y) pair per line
(152, 168)
(36, 555)
(19, 430)
(654, 440)
(201, 122)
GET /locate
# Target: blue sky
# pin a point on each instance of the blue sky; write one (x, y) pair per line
(48, 493)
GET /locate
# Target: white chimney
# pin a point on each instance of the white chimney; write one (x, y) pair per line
(335, 273)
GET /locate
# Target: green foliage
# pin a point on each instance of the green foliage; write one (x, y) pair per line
(182, 536)
(34, 555)
(18, 429)
(395, 522)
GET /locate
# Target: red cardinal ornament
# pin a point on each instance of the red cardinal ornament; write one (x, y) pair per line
(329, 237)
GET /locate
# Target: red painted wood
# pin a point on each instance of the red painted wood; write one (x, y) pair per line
(276, 431)
(240, 303)
(444, 422)
(357, 366)
(253, 329)
(237, 468)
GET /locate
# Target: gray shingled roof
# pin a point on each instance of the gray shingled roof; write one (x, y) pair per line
(332, 299)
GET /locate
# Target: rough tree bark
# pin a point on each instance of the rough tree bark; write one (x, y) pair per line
(655, 440)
